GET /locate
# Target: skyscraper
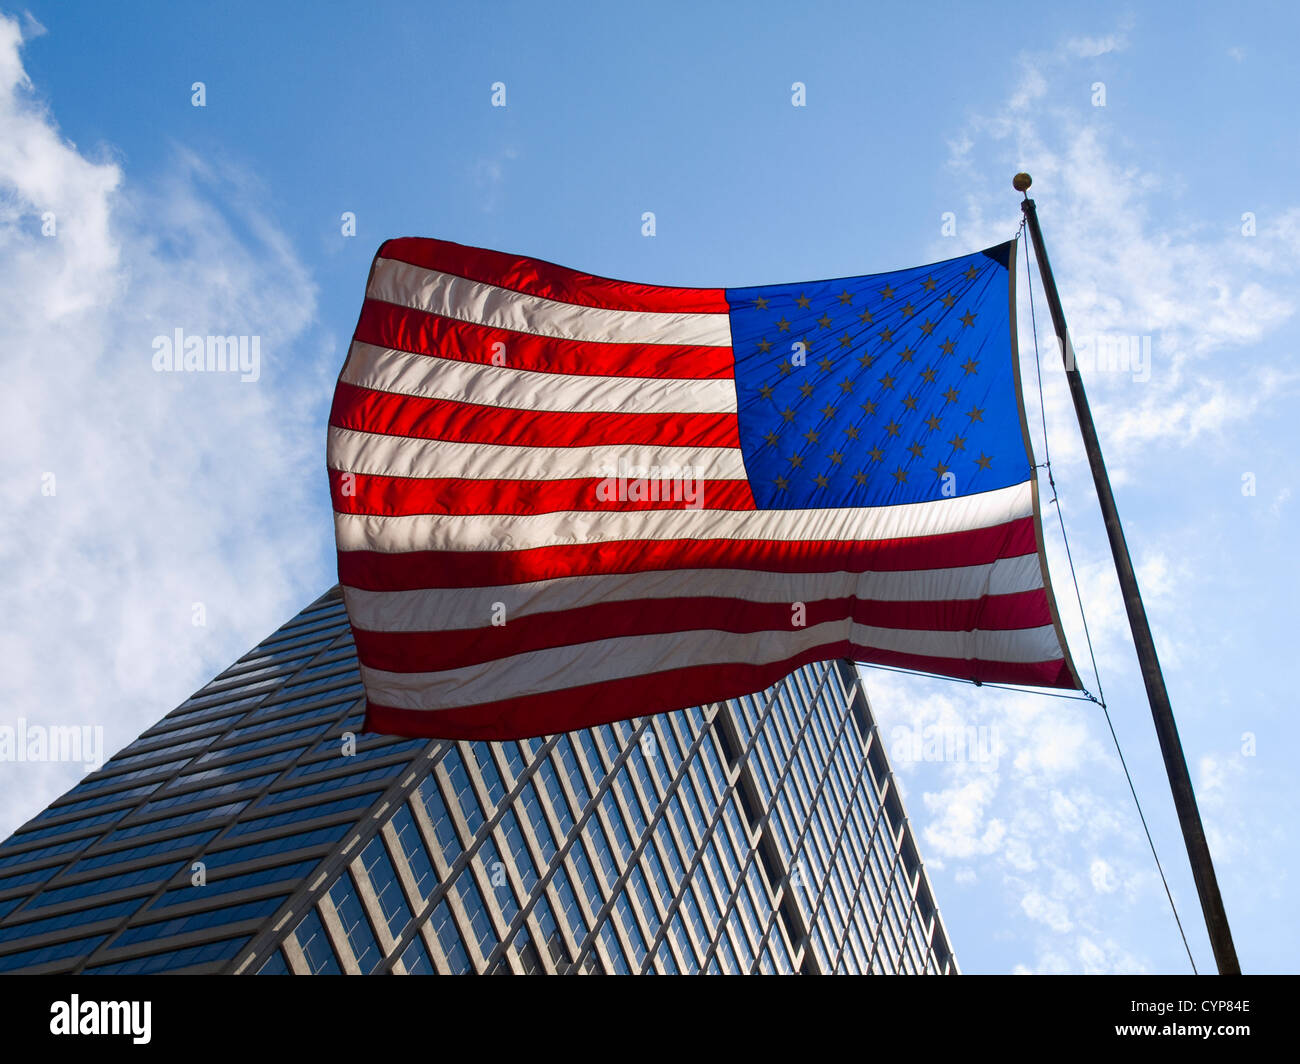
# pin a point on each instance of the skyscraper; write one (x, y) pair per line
(253, 830)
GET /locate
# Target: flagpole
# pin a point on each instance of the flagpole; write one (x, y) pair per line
(1180, 782)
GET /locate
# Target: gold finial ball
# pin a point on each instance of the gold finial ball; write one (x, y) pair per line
(1021, 182)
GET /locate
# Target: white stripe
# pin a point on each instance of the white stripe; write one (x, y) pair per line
(403, 456)
(449, 609)
(524, 389)
(476, 532)
(501, 308)
(559, 668)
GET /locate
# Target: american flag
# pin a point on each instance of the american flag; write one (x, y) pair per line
(562, 500)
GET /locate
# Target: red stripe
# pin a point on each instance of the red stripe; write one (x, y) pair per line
(377, 571)
(436, 651)
(384, 496)
(601, 703)
(537, 278)
(422, 333)
(442, 419)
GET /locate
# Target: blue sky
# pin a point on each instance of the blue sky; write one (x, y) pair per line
(174, 490)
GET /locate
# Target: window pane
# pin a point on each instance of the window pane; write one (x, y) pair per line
(356, 927)
(383, 881)
(315, 946)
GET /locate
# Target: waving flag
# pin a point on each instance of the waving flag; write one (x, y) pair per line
(562, 500)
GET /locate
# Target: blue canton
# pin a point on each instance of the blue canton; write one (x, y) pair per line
(872, 391)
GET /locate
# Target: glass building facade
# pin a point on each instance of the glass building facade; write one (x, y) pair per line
(256, 830)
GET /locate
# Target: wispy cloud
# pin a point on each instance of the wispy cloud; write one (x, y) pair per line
(1052, 830)
(141, 502)
(1092, 47)
(1197, 289)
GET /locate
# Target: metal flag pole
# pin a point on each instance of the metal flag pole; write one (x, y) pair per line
(1180, 782)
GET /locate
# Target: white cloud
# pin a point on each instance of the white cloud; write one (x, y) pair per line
(959, 827)
(1102, 876)
(1091, 47)
(1054, 828)
(169, 489)
(1219, 779)
(1194, 289)
(1047, 910)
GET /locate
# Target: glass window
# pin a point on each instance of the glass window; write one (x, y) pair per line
(550, 782)
(569, 763)
(415, 958)
(518, 850)
(599, 844)
(569, 907)
(529, 959)
(299, 841)
(112, 911)
(153, 874)
(684, 947)
(705, 893)
(488, 770)
(388, 891)
(550, 932)
(22, 836)
(338, 783)
(243, 765)
(650, 858)
(592, 753)
(726, 957)
(745, 952)
(258, 878)
(204, 793)
(417, 857)
(472, 900)
(310, 812)
(490, 858)
(315, 946)
(631, 802)
(609, 939)
(586, 877)
(678, 818)
(275, 965)
(229, 914)
(664, 834)
(174, 959)
(631, 930)
(463, 789)
(352, 915)
(443, 828)
(514, 755)
(532, 804)
(637, 759)
(641, 889)
(694, 916)
(42, 954)
(617, 824)
(36, 875)
(444, 926)
(93, 801)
